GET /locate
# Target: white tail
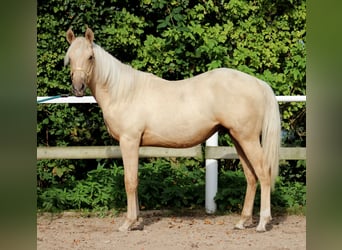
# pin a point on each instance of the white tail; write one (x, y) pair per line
(271, 134)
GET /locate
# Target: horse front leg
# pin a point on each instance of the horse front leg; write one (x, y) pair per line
(130, 155)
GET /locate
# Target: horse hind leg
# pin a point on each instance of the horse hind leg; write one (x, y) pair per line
(251, 179)
(254, 153)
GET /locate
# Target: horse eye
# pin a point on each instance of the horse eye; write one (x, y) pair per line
(91, 57)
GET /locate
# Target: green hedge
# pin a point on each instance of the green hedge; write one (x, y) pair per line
(175, 40)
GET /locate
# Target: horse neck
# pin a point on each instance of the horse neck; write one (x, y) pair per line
(112, 81)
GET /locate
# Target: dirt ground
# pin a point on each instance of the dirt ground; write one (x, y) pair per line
(164, 230)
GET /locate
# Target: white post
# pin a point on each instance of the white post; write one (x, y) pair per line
(211, 174)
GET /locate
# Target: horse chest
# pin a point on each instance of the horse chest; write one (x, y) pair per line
(121, 121)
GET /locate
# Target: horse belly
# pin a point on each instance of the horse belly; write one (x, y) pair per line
(178, 134)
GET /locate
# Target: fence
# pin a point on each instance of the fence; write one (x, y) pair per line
(103, 152)
(211, 152)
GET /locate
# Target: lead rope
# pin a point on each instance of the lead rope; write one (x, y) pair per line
(52, 97)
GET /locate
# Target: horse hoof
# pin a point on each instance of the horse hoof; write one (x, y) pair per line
(239, 226)
(126, 226)
(261, 228)
(262, 223)
(123, 228)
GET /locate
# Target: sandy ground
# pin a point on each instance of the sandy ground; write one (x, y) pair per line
(159, 230)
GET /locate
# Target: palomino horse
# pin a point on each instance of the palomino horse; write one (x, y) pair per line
(142, 109)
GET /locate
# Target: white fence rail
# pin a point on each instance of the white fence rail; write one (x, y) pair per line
(212, 151)
(91, 99)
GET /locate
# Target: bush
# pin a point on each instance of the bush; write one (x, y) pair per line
(101, 188)
(163, 183)
(288, 196)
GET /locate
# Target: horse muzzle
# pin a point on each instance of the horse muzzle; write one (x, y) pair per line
(79, 78)
(79, 89)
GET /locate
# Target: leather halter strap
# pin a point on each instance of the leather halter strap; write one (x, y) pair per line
(82, 70)
(87, 73)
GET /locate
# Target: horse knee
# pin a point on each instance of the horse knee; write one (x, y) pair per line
(131, 184)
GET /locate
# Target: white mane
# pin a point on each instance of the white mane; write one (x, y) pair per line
(121, 79)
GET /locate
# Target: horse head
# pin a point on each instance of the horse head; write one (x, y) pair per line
(80, 56)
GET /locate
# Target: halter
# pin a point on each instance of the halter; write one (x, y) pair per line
(87, 73)
(82, 70)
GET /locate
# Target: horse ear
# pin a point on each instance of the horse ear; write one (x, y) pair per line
(70, 36)
(89, 35)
